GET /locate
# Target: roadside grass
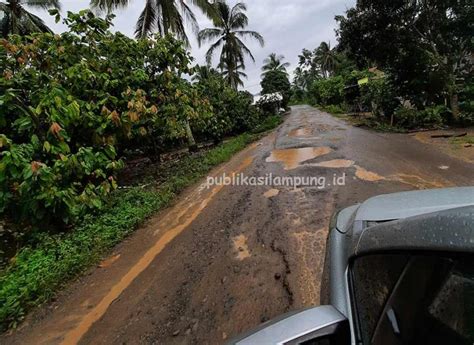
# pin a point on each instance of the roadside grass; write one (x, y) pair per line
(37, 272)
(461, 141)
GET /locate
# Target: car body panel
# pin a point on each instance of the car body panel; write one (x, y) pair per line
(449, 231)
(291, 326)
(409, 204)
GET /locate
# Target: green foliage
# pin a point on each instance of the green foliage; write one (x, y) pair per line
(334, 109)
(277, 81)
(269, 123)
(71, 103)
(413, 118)
(380, 96)
(38, 271)
(228, 33)
(430, 45)
(328, 91)
(466, 117)
(233, 110)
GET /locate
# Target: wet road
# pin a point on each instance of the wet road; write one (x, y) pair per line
(226, 258)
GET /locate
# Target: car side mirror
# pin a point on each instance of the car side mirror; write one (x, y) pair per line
(318, 325)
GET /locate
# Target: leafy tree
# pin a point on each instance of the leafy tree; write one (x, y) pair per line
(274, 62)
(162, 16)
(227, 33)
(430, 45)
(233, 110)
(71, 104)
(329, 91)
(277, 81)
(15, 19)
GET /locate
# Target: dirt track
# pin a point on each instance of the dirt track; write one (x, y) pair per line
(226, 258)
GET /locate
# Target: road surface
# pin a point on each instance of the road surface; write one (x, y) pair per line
(226, 258)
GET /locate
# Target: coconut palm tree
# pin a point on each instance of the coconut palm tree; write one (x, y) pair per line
(233, 76)
(204, 73)
(15, 19)
(228, 32)
(274, 62)
(162, 16)
(326, 59)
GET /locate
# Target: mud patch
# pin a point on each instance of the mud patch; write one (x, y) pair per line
(299, 132)
(419, 182)
(271, 193)
(448, 145)
(365, 175)
(309, 246)
(107, 262)
(336, 163)
(292, 158)
(241, 247)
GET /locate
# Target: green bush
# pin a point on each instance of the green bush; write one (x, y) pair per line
(334, 109)
(233, 110)
(413, 118)
(328, 91)
(71, 103)
(380, 96)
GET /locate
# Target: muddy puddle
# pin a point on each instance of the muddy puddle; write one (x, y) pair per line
(365, 175)
(271, 193)
(241, 247)
(335, 163)
(418, 182)
(292, 158)
(299, 132)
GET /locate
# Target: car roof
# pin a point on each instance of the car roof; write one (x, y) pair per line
(408, 204)
(448, 230)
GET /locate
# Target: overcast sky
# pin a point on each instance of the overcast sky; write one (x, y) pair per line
(287, 26)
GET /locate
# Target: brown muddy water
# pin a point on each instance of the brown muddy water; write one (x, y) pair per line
(292, 158)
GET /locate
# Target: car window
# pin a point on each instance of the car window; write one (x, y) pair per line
(431, 301)
(374, 279)
(453, 304)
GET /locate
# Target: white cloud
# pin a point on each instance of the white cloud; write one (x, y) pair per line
(287, 27)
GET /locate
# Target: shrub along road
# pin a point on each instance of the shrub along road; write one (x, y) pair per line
(226, 258)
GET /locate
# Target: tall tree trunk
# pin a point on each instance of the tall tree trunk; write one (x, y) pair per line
(454, 102)
(189, 134)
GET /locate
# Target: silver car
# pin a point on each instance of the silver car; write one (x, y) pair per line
(399, 270)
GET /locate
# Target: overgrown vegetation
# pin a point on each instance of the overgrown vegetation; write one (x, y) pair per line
(76, 107)
(39, 269)
(72, 106)
(425, 78)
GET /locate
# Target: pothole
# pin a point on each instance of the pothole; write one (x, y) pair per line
(241, 247)
(299, 132)
(336, 163)
(292, 158)
(271, 193)
(366, 175)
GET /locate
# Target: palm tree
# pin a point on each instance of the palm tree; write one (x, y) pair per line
(15, 19)
(233, 76)
(202, 73)
(162, 16)
(326, 59)
(274, 62)
(227, 32)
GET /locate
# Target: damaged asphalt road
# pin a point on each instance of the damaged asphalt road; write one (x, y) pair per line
(226, 258)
